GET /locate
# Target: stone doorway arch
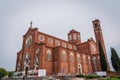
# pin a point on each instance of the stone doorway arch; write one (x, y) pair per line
(79, 68)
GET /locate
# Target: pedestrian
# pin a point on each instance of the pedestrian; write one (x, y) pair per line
(23, 77)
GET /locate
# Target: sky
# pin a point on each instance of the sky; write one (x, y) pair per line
(56, 18)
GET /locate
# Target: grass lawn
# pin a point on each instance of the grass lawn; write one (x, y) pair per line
(110, 79)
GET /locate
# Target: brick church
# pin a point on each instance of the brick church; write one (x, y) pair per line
(57, 56)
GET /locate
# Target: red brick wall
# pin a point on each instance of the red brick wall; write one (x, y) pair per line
(56, 64)
(72, 67)
(84, 47)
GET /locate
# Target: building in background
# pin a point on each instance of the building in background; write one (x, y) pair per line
(57, 56)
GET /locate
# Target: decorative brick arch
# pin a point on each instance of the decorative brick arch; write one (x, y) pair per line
(48, 55)
(94, 63)
(78, 58)
(71, 57)
(64, 55)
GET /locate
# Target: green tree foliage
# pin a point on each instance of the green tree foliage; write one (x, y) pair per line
(3, 72)
(115, 60)
(10, 74)
(102, 58)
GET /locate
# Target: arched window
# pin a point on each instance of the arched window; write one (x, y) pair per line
(78, 58)
(94, 58)
(26, 61)
(18, 66)
(94, 62)
(36, 63)
(28, 41)
(63, 55)
(89, 60)
(84, 59)
(48, 55)
(74, 36)
(71, 57)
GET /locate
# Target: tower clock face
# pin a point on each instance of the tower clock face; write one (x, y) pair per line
(28, 41)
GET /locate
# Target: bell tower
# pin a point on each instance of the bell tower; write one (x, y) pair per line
(74, 37)
(99, 38)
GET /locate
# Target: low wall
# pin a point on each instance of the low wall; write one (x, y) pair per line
(55, 77)
(113, 74)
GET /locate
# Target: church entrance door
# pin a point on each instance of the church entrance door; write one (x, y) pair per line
(79, 69)
(26, 71)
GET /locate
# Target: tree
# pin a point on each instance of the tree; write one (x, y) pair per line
(10, 74)
(3, 72)
(102, 58)
(115, 60)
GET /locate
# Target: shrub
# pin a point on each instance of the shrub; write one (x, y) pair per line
(117, 77)
(80, 75)
(91, 76)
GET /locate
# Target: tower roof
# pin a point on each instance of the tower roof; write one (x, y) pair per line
(73, 31)
(96, 20)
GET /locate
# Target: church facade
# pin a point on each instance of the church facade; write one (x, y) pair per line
(57, 56)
